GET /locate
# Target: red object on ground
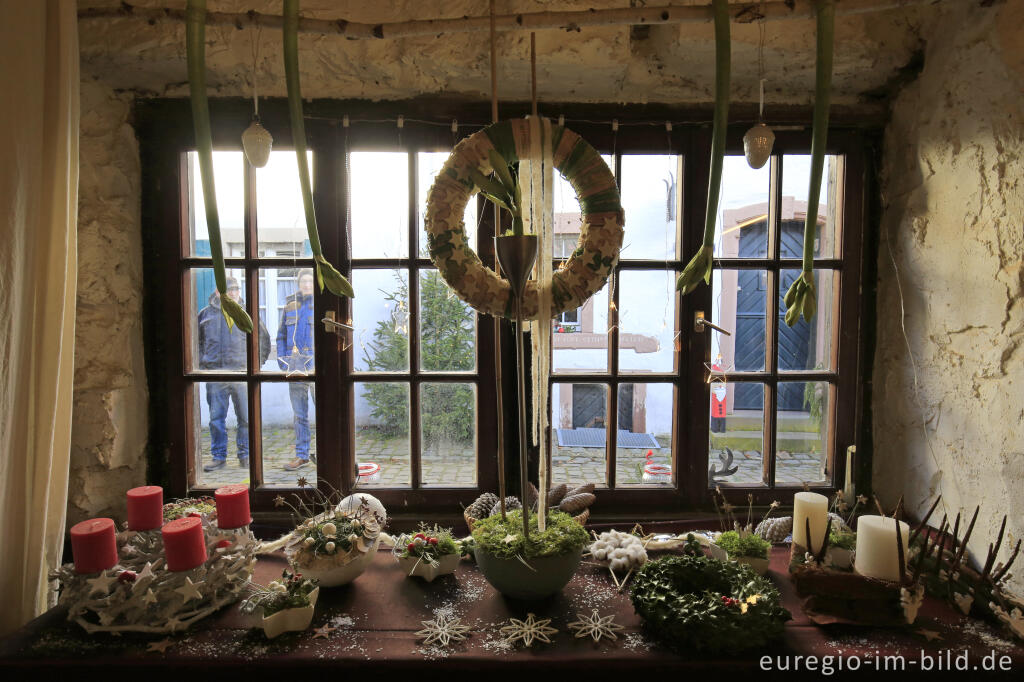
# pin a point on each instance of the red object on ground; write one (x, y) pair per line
(93, 545)
(145, 507)
(233, 506)
(184, 544)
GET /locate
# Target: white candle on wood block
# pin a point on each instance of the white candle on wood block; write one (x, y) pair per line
(814, 508)
(877, 553)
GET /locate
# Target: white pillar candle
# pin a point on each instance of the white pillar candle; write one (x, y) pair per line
(814, 508)
(877, 555)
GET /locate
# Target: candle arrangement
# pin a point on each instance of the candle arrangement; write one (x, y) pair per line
(171, 566)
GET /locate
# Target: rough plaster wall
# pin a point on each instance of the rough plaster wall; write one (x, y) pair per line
(110, 410)
(954, 216)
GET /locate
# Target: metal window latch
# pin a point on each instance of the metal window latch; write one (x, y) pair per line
(699, 323)
(332, 325)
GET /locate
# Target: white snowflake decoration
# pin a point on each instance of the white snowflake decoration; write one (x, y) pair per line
(529, 630)
(444, 629)
(596, 626)
(1013, 619)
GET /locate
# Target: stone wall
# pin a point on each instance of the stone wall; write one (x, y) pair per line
(954, 224)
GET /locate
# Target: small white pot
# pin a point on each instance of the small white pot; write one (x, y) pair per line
(412, 566)
(330, 572)
(759, 565)
(290, 620)
(717, 552)
(841, 558)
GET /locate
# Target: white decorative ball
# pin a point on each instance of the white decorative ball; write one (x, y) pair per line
(329, 547)
(757, 145)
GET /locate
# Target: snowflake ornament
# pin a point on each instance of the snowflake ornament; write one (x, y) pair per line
(528, 630)
(596, 626)
(443, 630)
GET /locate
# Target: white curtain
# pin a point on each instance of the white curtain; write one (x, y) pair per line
(38, 279)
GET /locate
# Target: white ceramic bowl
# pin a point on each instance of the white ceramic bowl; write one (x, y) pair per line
(411, 566)
(333, 573)
(290, 620)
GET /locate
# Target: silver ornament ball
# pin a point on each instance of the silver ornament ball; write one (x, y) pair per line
(757, 145)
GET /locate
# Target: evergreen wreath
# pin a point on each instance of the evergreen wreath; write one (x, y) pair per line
(696, 603)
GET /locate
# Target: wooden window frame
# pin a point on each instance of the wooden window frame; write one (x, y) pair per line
(165, 131)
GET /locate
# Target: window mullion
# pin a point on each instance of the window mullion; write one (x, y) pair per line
(771, 387)
(415, 440)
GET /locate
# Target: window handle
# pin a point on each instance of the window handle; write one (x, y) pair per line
(332, 325)
(699, 323)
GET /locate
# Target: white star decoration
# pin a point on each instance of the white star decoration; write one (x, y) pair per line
(101, 583)
(596, 626)
(145, 574)
(443, 630)
(160, 646)
(528, 630)
(190, 590)
(149, 597)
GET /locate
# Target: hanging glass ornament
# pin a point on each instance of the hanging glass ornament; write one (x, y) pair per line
(758, 142)
(256, 140)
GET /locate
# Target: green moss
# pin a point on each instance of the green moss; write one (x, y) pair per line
(505, 539)
(750, 546)
(842, 540)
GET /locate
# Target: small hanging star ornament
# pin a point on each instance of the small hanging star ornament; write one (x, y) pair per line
(528, 630)
(596, 627)
(443, 630)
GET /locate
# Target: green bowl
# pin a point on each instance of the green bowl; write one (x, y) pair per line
(544, 577)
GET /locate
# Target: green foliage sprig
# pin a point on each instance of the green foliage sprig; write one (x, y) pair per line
(842, 540)
(502, 189)
(503, 538)
(290, 592)
(696, 603)
(745, 545)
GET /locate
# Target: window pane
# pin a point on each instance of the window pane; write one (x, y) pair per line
(802, 432)
(739, 304)
(381, 320)
(228, 181)
(578, 414)
(288, 415)
(579, 337)
(379, 204)
(741, 228)
(737, 427)
(220, 413)
(288, 316)
(447, 327)
(649, 190)
(809, 345)
(448, 428)
(280, 217)
(646, 320)
(213, 347)
(796, 178)
(566, 214)
(429, 165)
(382, 434)
(644, 452)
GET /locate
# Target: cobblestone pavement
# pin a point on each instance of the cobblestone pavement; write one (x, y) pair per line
(455, 465)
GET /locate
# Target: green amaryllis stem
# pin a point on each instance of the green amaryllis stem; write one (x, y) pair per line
(326, 273)
(802, 294)
(700, 266)
(195, 41)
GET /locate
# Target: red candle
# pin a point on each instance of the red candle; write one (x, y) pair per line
(184, 544)
(145, 507)
(233, 506)
(93, 545)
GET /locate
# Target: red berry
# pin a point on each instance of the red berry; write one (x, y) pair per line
(432, 541)
(421, 536)
(126, 576)
(224, 543)
(411, 547)
(195, 515)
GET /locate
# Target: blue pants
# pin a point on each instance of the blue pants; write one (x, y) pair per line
(217, 396)
(300, 392)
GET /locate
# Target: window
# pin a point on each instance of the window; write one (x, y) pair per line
(404, 405)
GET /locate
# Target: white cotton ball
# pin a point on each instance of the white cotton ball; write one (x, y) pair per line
(600, 554)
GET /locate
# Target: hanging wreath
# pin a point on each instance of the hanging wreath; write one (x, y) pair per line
(578, 278)
(693, 602)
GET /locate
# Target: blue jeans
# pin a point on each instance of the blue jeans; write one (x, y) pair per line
(217, 396)
(300, 392)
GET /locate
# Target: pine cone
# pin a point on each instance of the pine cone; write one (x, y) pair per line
(511, 503)
(575, 504)
(557, 494)
(585, 488)
(482, 506)
(532, 495)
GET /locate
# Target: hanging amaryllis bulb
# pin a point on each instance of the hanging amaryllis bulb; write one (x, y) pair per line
(256, 143)
(757, 143)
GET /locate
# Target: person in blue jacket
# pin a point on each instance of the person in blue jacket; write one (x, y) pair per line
(295, 356)
(222, 349)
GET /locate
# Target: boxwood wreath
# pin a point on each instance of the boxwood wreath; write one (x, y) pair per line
(578, 278)
(693, 602)
(503, 538)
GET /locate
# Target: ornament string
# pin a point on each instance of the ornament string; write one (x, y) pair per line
(497, 269)
(254, 45)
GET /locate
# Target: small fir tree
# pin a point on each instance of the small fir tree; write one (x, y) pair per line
(446, 345)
